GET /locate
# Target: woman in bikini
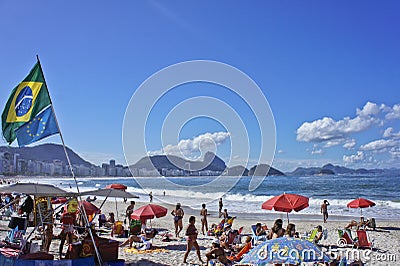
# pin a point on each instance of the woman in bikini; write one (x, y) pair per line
(204, 222)
(178, 217)
(217, 253)
(191, 233)
(277, 230)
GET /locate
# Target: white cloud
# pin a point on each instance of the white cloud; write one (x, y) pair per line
(395, 152)
(350, 143)
(388, 133)
(380, 145)
(190, 147)
(368, 109)
(360, 156)
(393, 113)
(316, 150)
(327, 129)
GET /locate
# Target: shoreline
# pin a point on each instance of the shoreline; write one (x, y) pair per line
(386, 237)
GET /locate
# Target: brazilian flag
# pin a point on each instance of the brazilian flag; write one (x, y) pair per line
(28, 99)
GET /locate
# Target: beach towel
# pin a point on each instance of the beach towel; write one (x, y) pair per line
(137, 251)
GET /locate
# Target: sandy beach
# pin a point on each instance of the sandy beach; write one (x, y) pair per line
(386, 238)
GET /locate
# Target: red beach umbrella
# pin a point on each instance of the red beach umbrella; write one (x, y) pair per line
(286, 203)
(360, 203)
(117, 186)
(149, 212)
(90, 208)
(59, 200)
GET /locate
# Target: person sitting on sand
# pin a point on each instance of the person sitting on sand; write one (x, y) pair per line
(276, 230)
(110, 220)
(225, 214)
(191, 233)
(102, 219)
(291, 231)
(216, 254)
(354, 223)
(259, 230)
(319, 235)
(178, 217)
(137, 239)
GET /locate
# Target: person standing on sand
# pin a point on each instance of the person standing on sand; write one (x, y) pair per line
(68, 221)
(191, 233)
(324, 210)
(220, 204)
(151, 196)
(204, 222)
(178, 217)
(129, 211)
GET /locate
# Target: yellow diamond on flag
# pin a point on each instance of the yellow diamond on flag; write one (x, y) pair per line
(24, 99)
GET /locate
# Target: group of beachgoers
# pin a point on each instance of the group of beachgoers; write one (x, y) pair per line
(224, 249)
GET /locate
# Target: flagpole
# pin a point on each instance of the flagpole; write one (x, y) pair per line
(71, 169)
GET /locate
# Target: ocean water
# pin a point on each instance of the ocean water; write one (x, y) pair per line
(338, 190)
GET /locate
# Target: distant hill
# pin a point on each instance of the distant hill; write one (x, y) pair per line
(264, 170)
(211, 162)
(330, 169)
(46, 153)
(238, 170)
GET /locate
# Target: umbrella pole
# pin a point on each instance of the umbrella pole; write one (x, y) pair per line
(101, 205)
(287, 215)
(116, 208)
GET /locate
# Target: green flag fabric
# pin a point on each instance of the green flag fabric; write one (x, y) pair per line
(27, 99)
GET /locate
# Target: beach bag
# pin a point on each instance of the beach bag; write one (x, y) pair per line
(118, 229)
(135, 227)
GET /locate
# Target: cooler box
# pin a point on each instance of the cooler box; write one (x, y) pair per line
(108, 249)
(22, 223)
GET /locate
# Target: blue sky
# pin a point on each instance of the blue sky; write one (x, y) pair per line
(315, 61)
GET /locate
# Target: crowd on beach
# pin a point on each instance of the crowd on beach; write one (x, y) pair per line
(226, 245)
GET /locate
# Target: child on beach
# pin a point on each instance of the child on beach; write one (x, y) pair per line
(191, 233)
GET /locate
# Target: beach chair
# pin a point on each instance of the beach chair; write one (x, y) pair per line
(313, 235)
(363, 240)
(325, 234)
(238, 237)
(15, 235)
(255, 237)
(371, 223)
(241, 253)
(345, 238)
